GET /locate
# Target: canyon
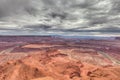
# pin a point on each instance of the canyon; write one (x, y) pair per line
(59, 58)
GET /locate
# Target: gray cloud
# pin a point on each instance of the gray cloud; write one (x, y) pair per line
(116, 6)
(38, 27)
(14, 7)
(62, 15)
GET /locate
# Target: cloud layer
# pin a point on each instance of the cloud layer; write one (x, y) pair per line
(80, 17)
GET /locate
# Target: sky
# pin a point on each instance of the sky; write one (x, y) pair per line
(60, 17)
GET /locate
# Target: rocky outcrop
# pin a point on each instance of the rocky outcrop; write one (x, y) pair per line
(55, 66)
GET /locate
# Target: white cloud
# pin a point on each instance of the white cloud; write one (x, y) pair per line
(62, 15)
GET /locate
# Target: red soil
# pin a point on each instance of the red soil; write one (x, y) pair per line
(58, 59)
(55, 66)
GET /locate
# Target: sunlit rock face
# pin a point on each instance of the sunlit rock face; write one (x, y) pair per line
(58, 58)
(95, 17)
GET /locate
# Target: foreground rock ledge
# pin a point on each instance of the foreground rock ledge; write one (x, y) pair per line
(55, 66)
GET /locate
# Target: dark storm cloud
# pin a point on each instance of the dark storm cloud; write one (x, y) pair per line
(56, 14)
(42, 27)
(116, 6)
(84, 4)
(6, 29)
(38, 27)
(97, 13)
(14, 7)
(30, 10)
(63, 15)
(98, 20)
